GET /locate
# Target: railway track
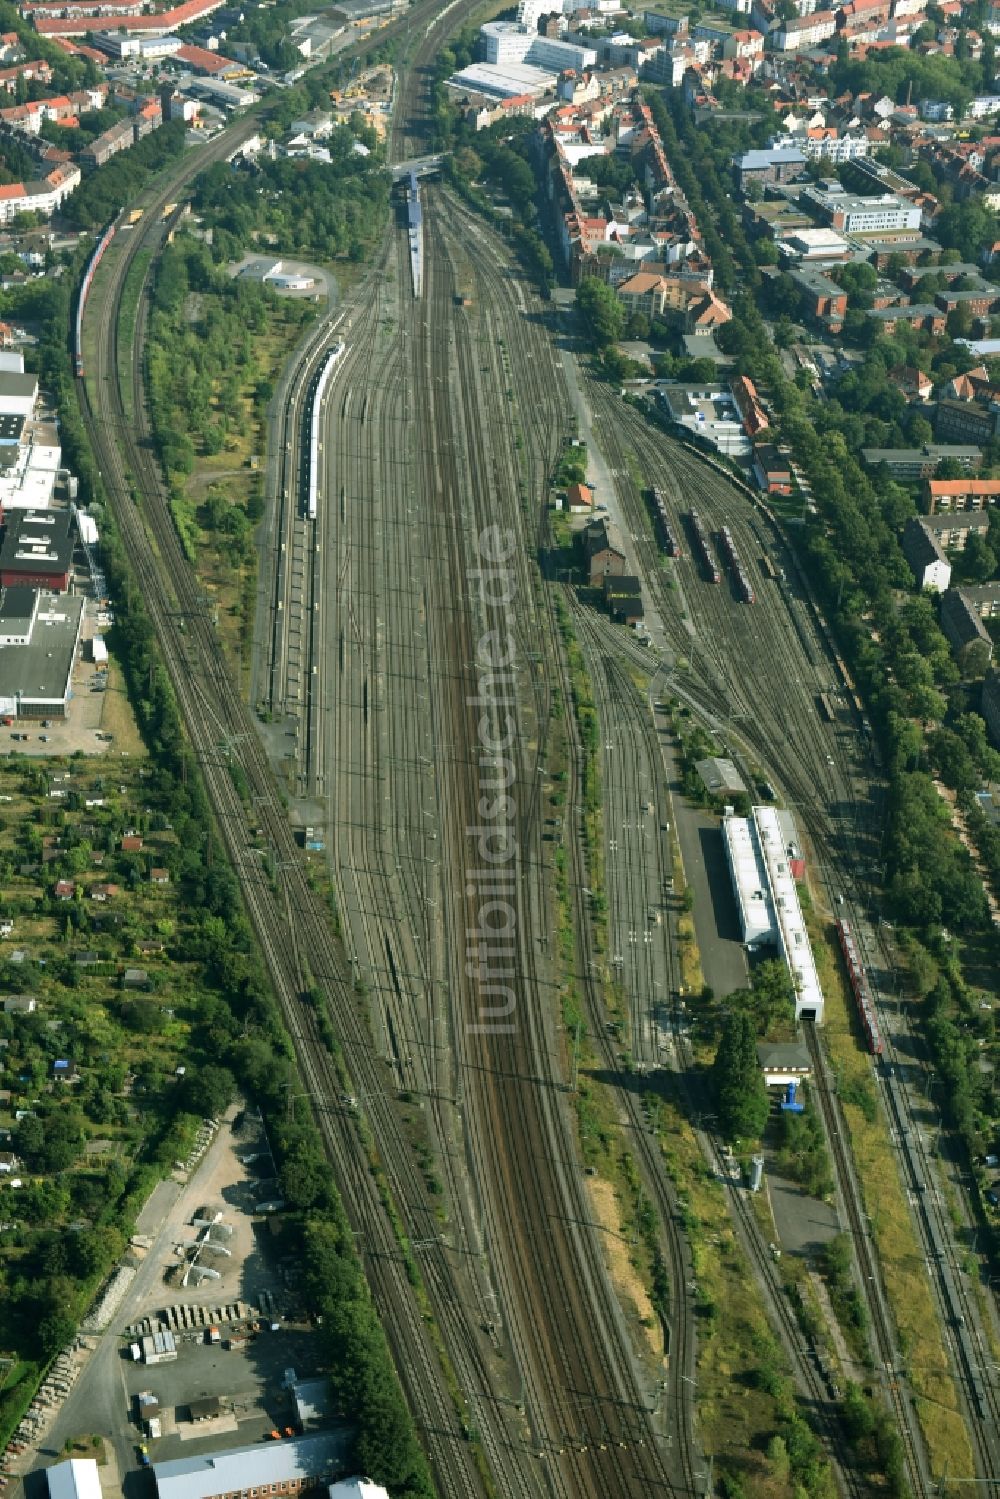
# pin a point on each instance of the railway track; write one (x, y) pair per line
(869, 1270)
(839, 810)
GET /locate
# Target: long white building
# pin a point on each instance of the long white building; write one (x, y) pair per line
(507, 42)
(768, 901)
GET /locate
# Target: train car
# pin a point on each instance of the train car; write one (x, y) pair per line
(84, 293)
(860, 988)
(744, 588)
(702, 548)
(319, 391)
(415, 231)
(666, 536)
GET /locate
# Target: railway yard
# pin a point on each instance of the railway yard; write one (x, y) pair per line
(409, 661)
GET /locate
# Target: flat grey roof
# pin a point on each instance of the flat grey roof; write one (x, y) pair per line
(41, 671)
(755, 160)
(917, 455)
(37, 541)
(17, 387)
(17, 607)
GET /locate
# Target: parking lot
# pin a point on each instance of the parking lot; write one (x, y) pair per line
(256, 1280)
(95, 698)
(249, 1382)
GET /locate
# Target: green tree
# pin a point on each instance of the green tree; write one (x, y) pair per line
(602, 313)
(737, 1080)
(210, 1091)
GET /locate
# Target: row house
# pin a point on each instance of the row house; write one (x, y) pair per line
(966, 421)
(824, 302)
(827, 143)
(803, 33)
(862, 18)
(922, 317)
(963, 611)
(943, 495)
(981, 301)
(38, 10)
(32, 72)
(118, 137)
(911, 276)
(42, 196)
(62, 110)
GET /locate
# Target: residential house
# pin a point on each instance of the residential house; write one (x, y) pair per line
(20, 1004)
(966, 421)
(910, 464)
(926, 557)
(922, 316)
(963, 611)
(159, 876)
(915, 385)
(952, 532)
(943, 495)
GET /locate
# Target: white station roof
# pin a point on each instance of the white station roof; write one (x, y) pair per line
(793, 939)
(749, 876)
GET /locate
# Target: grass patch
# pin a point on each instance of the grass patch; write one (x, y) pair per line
(127, 325)
(921, 1336)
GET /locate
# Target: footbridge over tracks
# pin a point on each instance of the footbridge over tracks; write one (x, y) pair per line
(418, 166)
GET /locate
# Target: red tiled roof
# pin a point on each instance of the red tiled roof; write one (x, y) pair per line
(167, 20)
(204, 60)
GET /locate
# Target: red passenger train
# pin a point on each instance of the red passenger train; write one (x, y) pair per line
(861, 989)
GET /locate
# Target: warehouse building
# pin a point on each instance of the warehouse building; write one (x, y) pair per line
(291, 1467)
(36, 677)
(77, 1479)
(37, 550)
(761, 866)
(749, 877)
(18, 393)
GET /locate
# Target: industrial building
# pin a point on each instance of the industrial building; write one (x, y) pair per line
(720, 777)
(357, 1488)
(76, 1479)
(289, 1467)
(36, 674)
(37, 550)
(762, 865)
